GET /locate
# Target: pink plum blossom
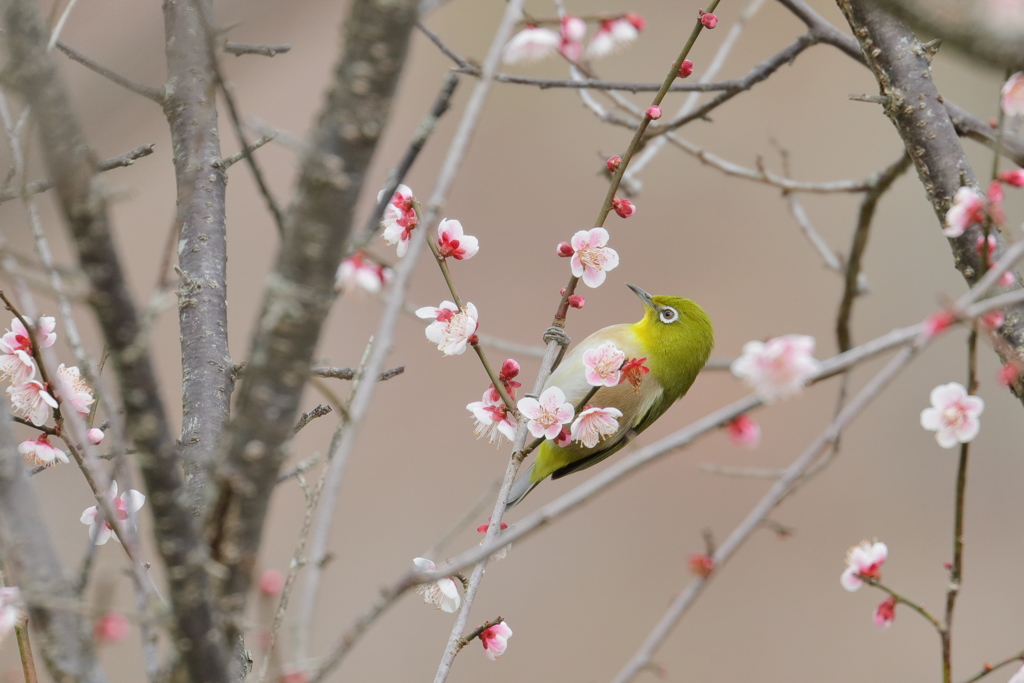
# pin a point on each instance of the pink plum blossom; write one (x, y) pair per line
(399, 218)
(885, 613)
(495, 640)
(452, 329)
(451, 241)
(953, 415)
(743, 431)
(33, 402)
(492, 418)
(360, 273)
(603, 365)
(1013, 95)
(111, 628)
(12, 610)
(442, 594)
(591, 259)
(779, 367)
(17, 339)
(573, 29)
(546, 414)
(41, 452)
(72, 390)
(532, 44)
(614, 35)
(125, 506)
(633, 372)
(18, 367)
(595, 424)
(863, 561)
(95, 436)
(502, 552)
(968, 208)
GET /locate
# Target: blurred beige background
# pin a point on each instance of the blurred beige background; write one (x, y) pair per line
(583, 594)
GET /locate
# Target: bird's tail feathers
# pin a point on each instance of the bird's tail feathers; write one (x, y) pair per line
(520, 488)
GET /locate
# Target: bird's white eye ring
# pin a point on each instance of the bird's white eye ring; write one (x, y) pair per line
(669, 315)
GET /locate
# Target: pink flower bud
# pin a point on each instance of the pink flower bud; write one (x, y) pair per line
(561, 292)
(563, 439)
(613, 164)
(993, 319)
(708, 19)
(639, 23)
(623, 207)
(111, 628)
(509, 369)
(701, 565)
(1014, 177)
(95, 436)
(885, 613)
(995, 191)
(576, 301)
(482, 529)
(743, 431)
(937, 322)
(271, 582)
(565, 250)
(686, 68)
(654, 113)
(1007, 279)
(993, 123)
(1008, 374)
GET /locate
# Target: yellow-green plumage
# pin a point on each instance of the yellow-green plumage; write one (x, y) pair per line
(675, 336)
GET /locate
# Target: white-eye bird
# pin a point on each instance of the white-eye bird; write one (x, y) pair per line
(675, 337)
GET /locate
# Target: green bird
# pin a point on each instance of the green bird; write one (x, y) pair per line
(660, 358)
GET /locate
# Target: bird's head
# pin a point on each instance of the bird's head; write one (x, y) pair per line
(675, 332)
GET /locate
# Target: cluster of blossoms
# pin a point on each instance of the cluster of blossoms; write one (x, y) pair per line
(31, 397)
(493, 419)
(864, 562)
(778, 368)
(400, 218)
(535, 43)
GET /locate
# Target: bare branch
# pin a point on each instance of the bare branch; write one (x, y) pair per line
(149, 92)
(239, 49)
(352, 373)
(37, 186)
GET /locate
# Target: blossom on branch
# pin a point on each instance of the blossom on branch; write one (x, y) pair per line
(603, 365)
(361, 273)
(968, 208)
(863, 561)
(18, 367)
(125, 507)
(573, 29)
(1012, 93)
(778, 368)
(451, 241)
(442, 594)
(532, 44)
(953, 415)
(452, 329)
(633, 371)
(41, 452)
(17, 338)
(95, 436)
(72, 390)
(495, 640)
(614, 35)
(591, 259)
(595, 424)
(399, 218)
(546, 414)
(32, 401)
(492, 418)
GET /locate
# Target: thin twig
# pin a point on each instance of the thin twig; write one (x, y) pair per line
(308, 417)
(241, 154)
(987, 669)
(352, 373)
(37, 186)
(239, 49)
(150, 93)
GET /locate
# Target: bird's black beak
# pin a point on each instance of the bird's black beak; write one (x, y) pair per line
(644, 296)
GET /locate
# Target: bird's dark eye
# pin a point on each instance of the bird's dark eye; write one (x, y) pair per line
(669, 315)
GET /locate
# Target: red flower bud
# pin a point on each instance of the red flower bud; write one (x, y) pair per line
(654, 113)
(1014, 177)
(565, 250)
(1008, 374)
(708, 19)
(701, 564)
(509, 369)
(623, 207)
(576, 301)
(686, 68)
(613, 163)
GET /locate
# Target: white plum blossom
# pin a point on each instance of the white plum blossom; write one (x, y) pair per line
(532, 44)
(603, 365)
(779, 367)
(968, 208)
(614, 35)
(591, 259)
(72, 390)
(12, 610)
(18, 367)
(453, 242)
(41, 452)
(492, 418)
(864, 560)
(546, 414)
(359, 273)
(452, 329)
(33, 402)
(125, 505)
(442, 594)
(953, 415)
(1012, 92)
(495, 640)
(399, 218)
(594, 424)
